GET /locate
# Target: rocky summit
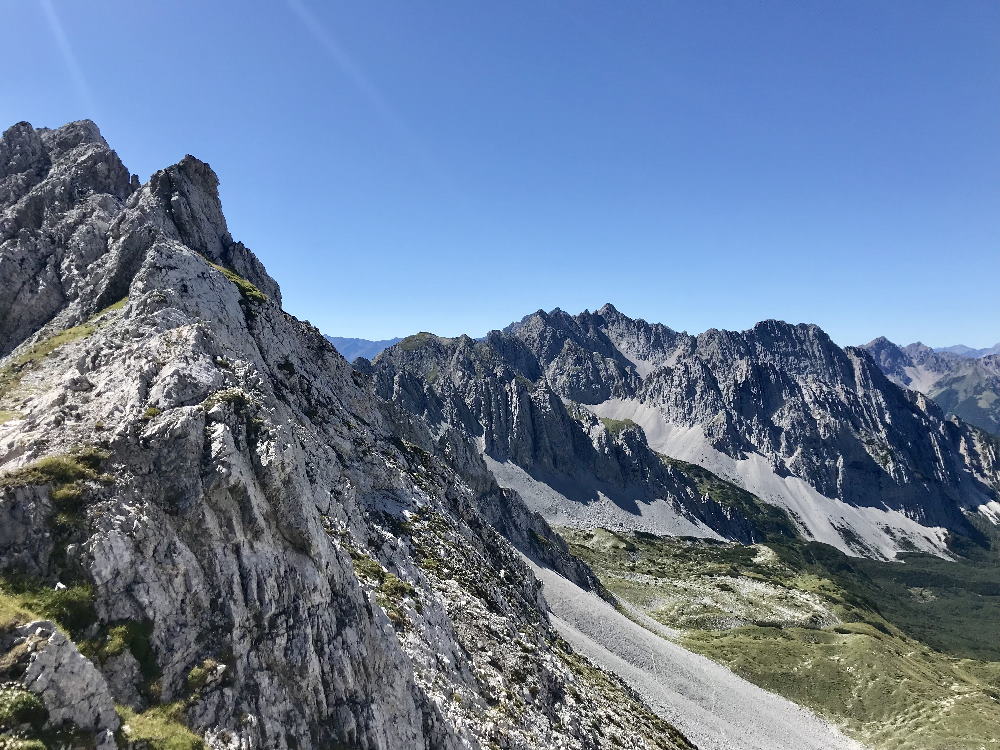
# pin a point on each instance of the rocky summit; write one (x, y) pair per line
(213, 532)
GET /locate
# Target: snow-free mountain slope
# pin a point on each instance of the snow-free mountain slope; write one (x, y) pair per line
(967, 351)
(779, 410)
(714, 707)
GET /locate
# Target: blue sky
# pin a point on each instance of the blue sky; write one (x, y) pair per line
(451, 166)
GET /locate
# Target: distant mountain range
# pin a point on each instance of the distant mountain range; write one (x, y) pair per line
(963, 381)
(351, 349)
(963, 385)
(966, 351)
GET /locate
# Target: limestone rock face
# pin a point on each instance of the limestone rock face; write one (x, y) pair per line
(499, 392)
(270, 550)
(772, 408)
(73, 690)
(59, 193)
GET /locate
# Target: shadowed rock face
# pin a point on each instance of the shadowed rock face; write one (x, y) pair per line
(786, 393)
(300, 563)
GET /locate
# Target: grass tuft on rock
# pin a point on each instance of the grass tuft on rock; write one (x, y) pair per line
(24, 598)
(58, 471)
(159, 728)
(249, 291)
(66, 476)
(199, 675)
(12, 373)
(18, 706)
(134, 636)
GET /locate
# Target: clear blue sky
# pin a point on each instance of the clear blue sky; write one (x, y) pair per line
(451, 165)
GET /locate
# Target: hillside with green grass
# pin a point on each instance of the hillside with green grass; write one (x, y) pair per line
(902, 656)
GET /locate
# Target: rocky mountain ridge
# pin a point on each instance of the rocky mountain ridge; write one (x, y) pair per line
(778, 410)
(213, 528)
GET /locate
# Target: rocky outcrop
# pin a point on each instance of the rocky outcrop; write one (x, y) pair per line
(268, 553)
(60, 190)
(73, 691)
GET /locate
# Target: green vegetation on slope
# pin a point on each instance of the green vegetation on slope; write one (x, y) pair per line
(159, 728)
(617, 426)
(773, 522)
(973, 397)
(249, 292)
(18, 366)
(418, 340)
(23, 599)
(875, 647)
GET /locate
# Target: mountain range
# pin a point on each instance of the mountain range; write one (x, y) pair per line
(967, 387)
(578, 412)
(967, 351)
(962, 380)
(217, 532)
(351, 349)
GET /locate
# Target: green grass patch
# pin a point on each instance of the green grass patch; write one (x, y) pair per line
(367, 567)
(159, 728)
(18, 706)
(67, 477)
(249, 292)
(198, 677)
(134, 636)
(890, 670)
(58, 471)
(14, 371)
(422, 339)
(617, 426)
(235, 396)
(890, 692)
(773, 522)
(23, 599)
(396, 588)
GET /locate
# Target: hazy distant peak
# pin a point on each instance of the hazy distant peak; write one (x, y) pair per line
(962, 350)
(350, 348)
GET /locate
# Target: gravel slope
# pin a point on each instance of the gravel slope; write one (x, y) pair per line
(716, 709)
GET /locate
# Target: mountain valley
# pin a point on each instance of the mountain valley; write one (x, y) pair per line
(581, 531)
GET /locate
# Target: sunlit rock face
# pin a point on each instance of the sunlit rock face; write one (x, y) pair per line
(254, 543)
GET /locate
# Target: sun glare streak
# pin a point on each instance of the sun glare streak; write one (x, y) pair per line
(353, 72)
(75, 71)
